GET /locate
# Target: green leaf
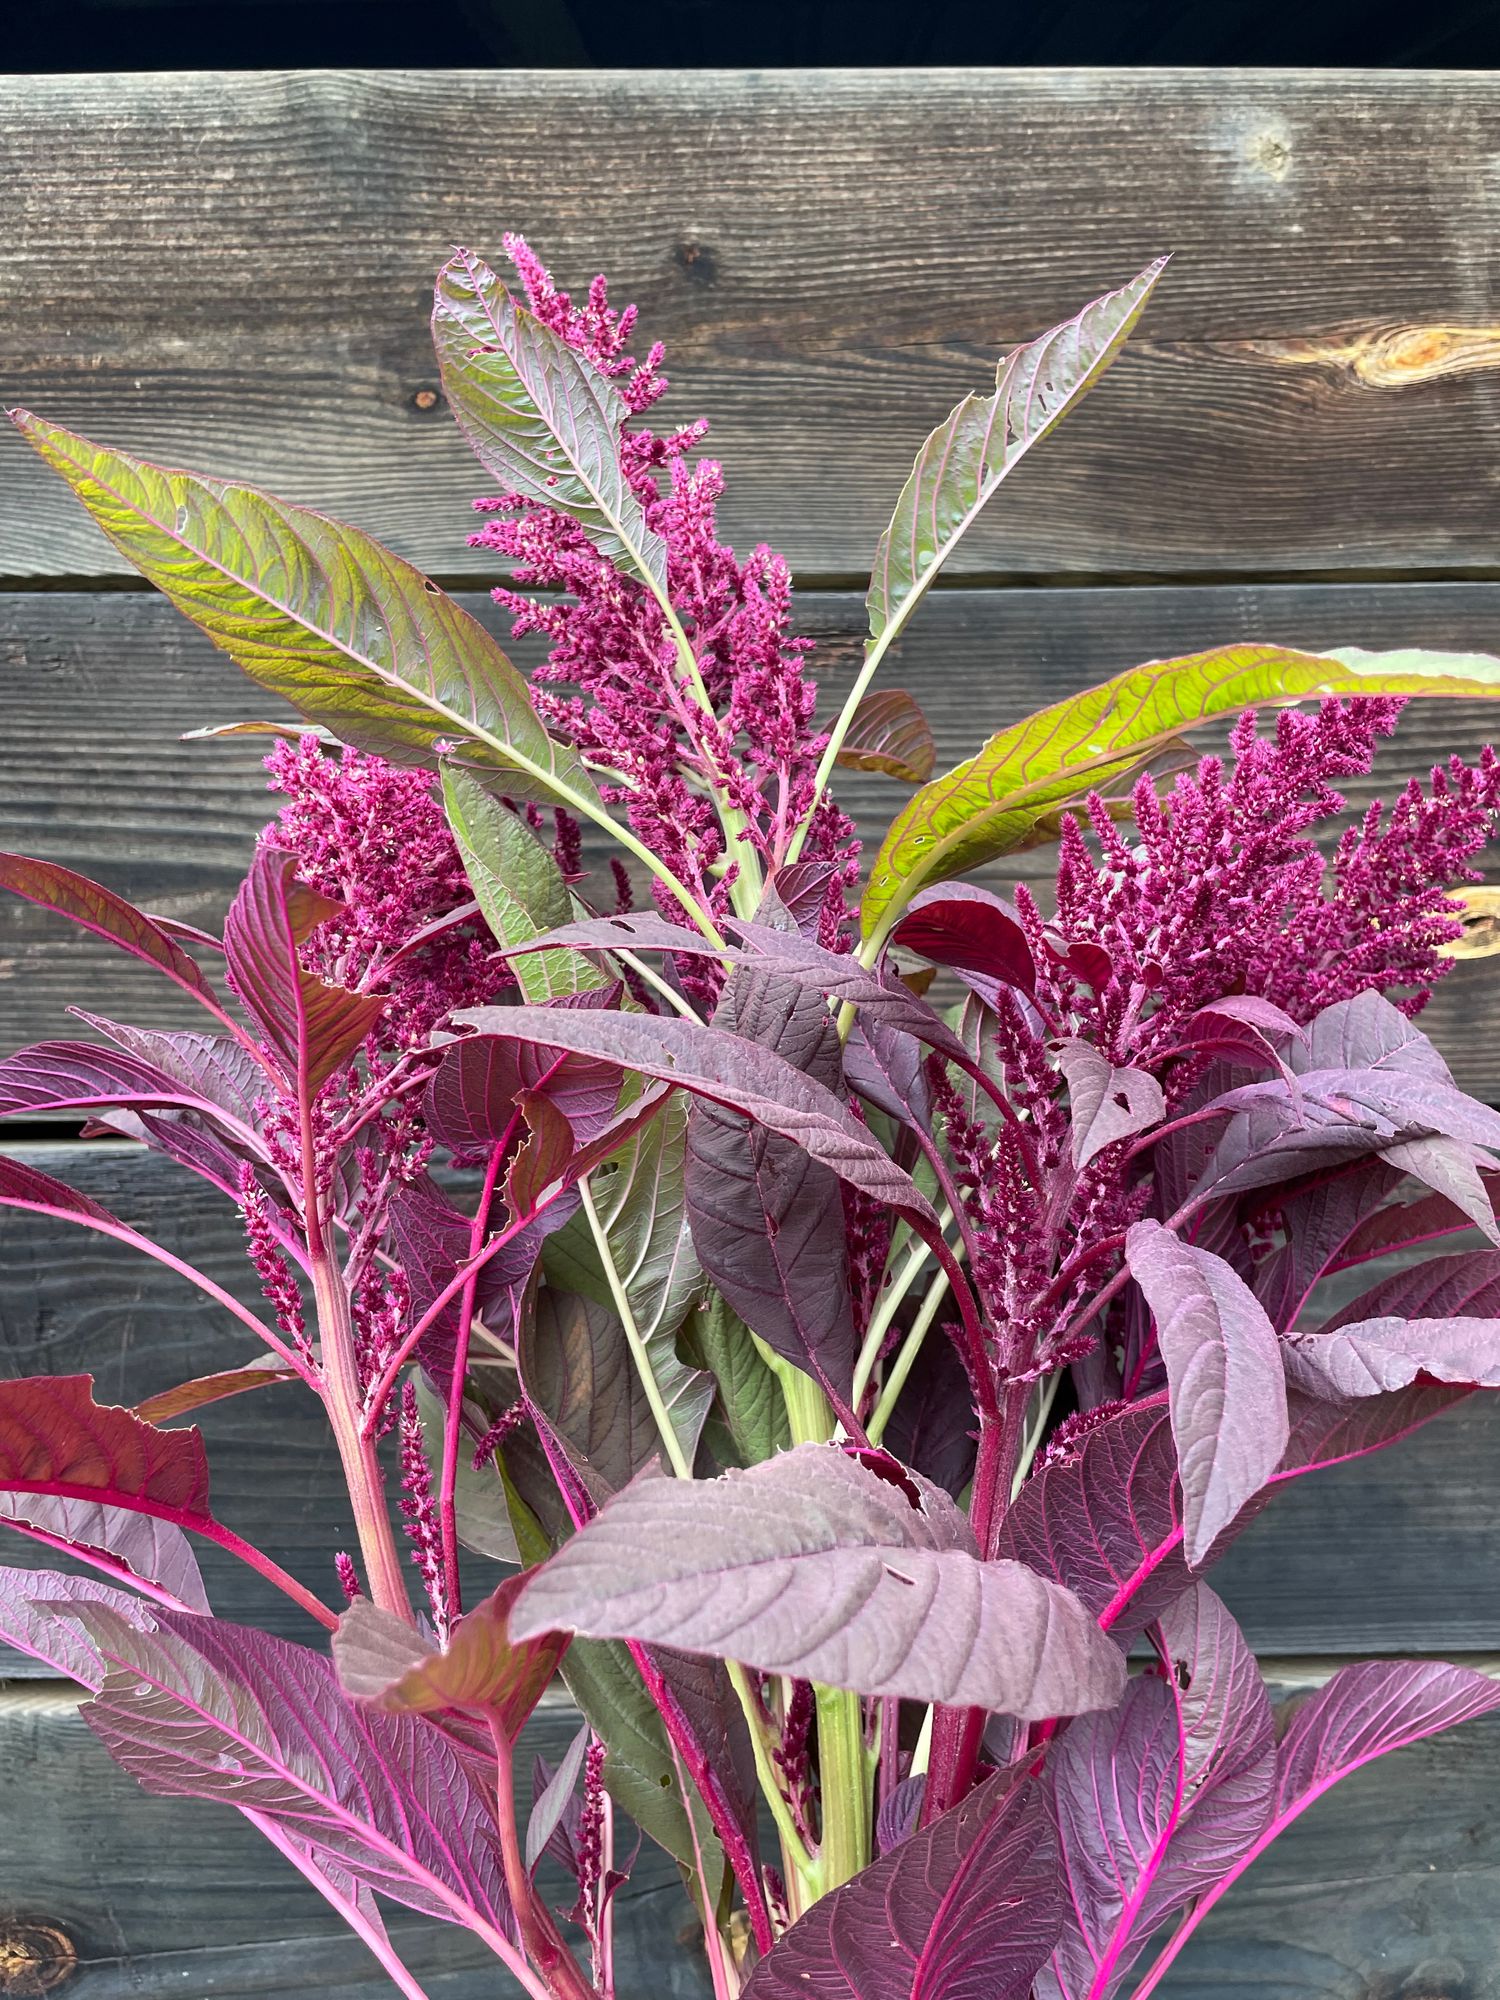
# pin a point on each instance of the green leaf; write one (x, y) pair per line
(750, 1413)
(519, 888)
(995, 802)
(538, 416)
(357, 640)
(965, 459)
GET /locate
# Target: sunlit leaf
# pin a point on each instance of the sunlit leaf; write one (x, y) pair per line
(538, 416)
(317, 612)
(993, 803)
(962, 464)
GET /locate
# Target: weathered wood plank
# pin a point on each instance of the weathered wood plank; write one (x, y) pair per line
(1388, 1887)
(100, 688)
(232, 271)
(1391, 1552)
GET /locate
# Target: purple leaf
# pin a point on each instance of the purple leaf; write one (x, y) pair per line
(1403, 1226)
(34, 1619)
(107, 915)
(82, 1076)
(727, 1070)
(1363, 1712)
(1466, 1283)
(966, 1909)
(1366, 1710)
(471, 1101)
(890, 734)
(768, 1220)
(384, 1660)
(1223, 1361)
(432, 1239)
(313, 1027)
(1376, 1356)
(932, 1425)
(1317, 1221)
(1107, 1104)
(1242, 1028)
(898, 1816)
(1367, 1032)
(1157, 1799)
(134, 1548)
(1450, 1167)
(812, 1565)
(778, 949)
(972, 933)
(555, 1807)
(889, 1071)
(214, 1067)
(1106, 1519)
(202, 1709)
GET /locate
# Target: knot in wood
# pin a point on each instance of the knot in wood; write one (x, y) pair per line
(34, 1958)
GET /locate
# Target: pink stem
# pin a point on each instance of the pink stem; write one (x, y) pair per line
(198, 1524)
(370, 1934)
(121, 1233)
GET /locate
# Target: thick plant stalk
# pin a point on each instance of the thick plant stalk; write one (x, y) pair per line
(362, 1473)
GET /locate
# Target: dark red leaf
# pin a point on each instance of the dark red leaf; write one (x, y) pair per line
(972, 933)
(104, 913)
(890, 734)
(313, 1027)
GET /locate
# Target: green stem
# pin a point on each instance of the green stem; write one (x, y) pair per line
(886, 1307)
(845, 1774)
(793, 1849)
(671, 1443)
(905, 1361)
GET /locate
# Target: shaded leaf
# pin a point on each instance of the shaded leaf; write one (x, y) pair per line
(471, 1103)
(962, 464)
(198, 1708)
(932, 1426)
(1106, 1104)
(995, 801)
(814, 1566)
(1223, 1361)
(519, 887)
(317, 612)
(313, 1027)
(966, 1909)
(383, 1659)
(725, 1068)
(889, 734)
(767, 1219)
(577, 1370)
(135, 1548)
(104, 913)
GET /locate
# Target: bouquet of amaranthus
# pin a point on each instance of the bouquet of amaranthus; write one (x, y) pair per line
(858, 1318)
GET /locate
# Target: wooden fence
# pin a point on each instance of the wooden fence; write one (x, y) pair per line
(1302, 443)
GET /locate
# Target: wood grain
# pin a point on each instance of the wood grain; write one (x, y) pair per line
(102, 686)
(1388, 1889)
(233, 271)
(1389, 1553)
